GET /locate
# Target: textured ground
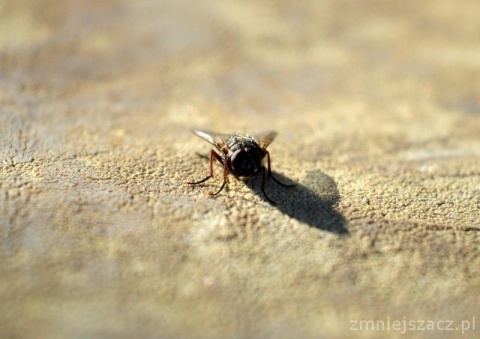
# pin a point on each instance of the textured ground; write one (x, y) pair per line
(377, 105)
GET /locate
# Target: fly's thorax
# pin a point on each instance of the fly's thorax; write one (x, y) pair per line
(235, 142)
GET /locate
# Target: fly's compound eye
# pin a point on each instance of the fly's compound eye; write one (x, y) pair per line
(246, 162)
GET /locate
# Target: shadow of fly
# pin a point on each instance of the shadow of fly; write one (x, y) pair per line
(243, 155)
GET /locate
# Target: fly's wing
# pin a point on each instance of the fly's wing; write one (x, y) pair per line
(266, 138)
(216, 139)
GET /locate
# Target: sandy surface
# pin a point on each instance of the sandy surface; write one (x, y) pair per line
(377, 105)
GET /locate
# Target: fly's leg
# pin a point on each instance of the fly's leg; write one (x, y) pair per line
(263, 186)
(270, 173)
(214, 155)
(224, 179)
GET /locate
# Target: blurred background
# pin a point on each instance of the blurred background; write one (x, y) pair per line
(399, 73)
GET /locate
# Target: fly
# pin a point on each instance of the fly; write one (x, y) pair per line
(240, 154)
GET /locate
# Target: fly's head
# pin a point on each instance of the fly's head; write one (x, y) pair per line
(246, 161)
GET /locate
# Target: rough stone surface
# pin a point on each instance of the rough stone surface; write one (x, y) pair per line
(377, 105)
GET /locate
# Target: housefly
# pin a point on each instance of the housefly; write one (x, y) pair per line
(240, 154)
